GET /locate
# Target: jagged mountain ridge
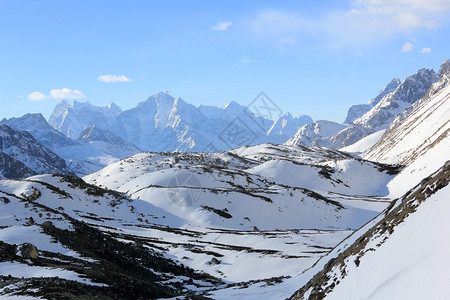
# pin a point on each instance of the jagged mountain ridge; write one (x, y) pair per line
(71, 119)
(356, 111)
(91, 151)
(363, 120)
(409, 91)
(165, 123)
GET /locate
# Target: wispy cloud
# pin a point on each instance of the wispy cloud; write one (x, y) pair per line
(221, 26)
(407, 47)
(247, 60)
(37, 96)
(426, 50)
(366, 22)
(113, 78)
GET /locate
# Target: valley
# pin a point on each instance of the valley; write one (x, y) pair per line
(111, 204)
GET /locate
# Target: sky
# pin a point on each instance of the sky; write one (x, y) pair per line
(310, 57)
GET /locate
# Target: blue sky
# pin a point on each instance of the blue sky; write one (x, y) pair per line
(310, 57)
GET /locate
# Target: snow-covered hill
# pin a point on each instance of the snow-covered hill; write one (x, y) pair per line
(254, 214)
(255, 198)
(61, 238)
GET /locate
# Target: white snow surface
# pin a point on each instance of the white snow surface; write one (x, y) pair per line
(17, 269)
(365, 143)
(271, 195)
(412, 264)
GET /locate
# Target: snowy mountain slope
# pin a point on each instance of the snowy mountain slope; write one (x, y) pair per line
(93, 150)
(404, 246)
(53, 244)
(356, 111)
(268, 177)
(329, 134)
(96, 149)
(420, 141)
(12, 168)
(245, 199)
(365, 143)
(165, 123)
(21, 146)
(231, 250)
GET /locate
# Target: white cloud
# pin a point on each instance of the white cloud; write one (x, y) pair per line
(113, 78)
(407, 47)
(37, 96)
(66, 93)
(364, 23)
(247, 60)
(426, 50)
(221, 26)
(429, 5)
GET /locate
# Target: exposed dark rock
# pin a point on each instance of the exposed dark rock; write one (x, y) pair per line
(28, 250)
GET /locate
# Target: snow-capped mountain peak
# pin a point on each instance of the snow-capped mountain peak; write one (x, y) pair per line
(409, 91)
(389, 88)
(356, 111)
(114, 108)
(445, 68)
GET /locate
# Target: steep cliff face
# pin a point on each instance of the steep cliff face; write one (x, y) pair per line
(21, 146)
(12, 168)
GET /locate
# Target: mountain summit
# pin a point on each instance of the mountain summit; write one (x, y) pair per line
(165, 123)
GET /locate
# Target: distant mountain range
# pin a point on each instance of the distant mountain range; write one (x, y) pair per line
(165, 123)
(89, 137)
